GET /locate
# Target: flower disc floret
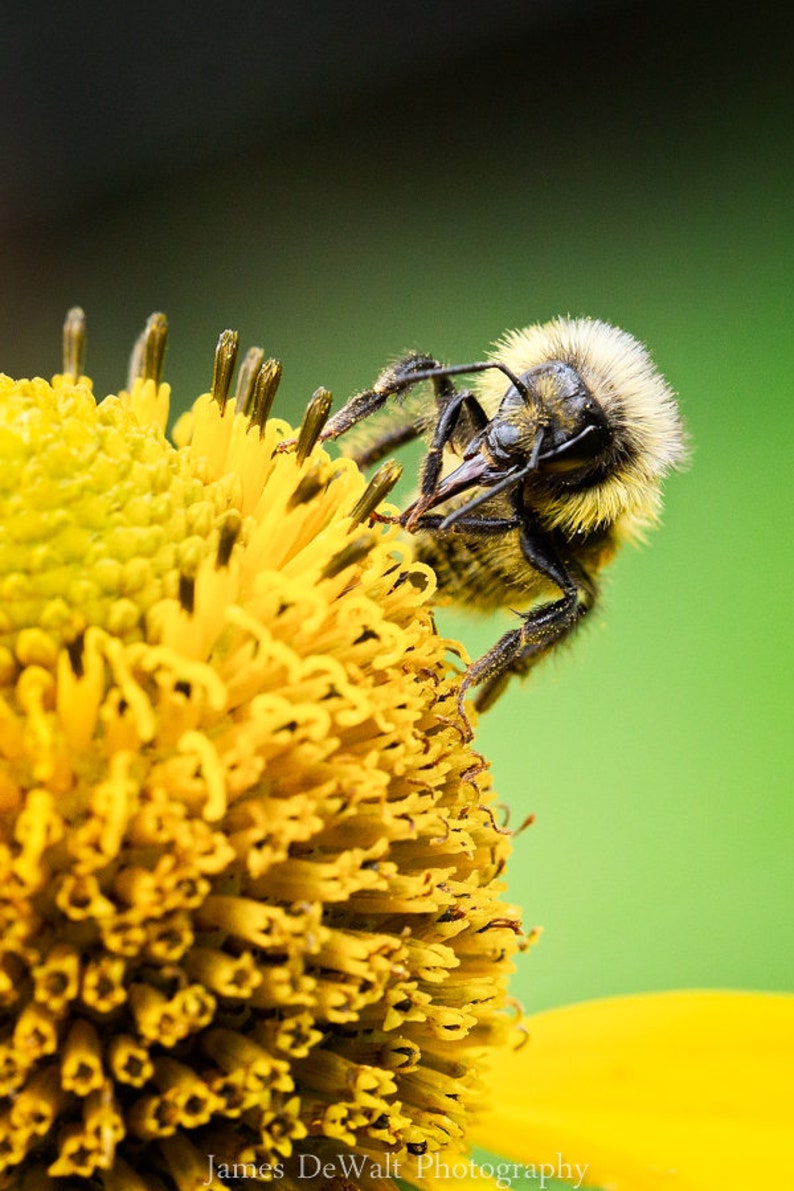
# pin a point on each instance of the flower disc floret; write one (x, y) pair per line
(249, 874)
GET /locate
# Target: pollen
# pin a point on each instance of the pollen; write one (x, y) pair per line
(250, 871)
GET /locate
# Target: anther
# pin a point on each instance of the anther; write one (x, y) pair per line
(314, 419)
(187, 592)
(223, 367)
(376, 490)
(353, 552)
(246, 377)
(265, 386)
(74, 339)
(230, 532)
(146, 361)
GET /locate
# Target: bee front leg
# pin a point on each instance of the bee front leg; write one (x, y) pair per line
(393, 380)
(447, 432)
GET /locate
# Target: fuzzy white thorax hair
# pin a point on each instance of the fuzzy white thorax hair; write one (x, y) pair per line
(639, 407)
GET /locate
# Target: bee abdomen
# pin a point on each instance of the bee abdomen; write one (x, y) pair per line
(483, 572)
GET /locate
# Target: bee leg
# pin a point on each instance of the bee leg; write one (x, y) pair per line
(541, 628)
(404, 374)
(394, 379)
(398, 436)
(452, 404)
(380, 447)
(520, 649)
(483, 526)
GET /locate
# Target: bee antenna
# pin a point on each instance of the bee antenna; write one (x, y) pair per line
(517, 383)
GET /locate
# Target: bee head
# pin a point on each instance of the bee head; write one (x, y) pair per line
(556, 416)
(600, 417)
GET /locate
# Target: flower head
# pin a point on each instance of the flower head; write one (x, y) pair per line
(249, 874)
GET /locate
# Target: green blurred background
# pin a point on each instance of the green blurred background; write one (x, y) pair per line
(346, 182)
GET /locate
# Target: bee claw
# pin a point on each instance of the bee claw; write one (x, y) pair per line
(464, 723)
(460, 723)
(409, 517)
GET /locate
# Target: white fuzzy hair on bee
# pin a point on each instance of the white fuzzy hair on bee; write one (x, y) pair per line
(537, 469)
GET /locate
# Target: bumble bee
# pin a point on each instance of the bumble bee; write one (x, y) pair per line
(535, 473)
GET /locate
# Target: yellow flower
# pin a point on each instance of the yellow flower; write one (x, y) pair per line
(250, 890)
(251, 924)
(680, 1091)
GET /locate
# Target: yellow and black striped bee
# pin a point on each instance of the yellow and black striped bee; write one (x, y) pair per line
(536, 471)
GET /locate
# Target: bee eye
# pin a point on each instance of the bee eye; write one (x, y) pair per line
(504, 438)
(577, 453)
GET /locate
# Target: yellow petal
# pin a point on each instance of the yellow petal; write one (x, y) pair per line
(683, 1091)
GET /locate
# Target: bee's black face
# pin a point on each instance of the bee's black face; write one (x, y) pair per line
(576, 437)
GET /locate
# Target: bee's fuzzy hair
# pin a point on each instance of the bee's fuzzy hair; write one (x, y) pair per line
(639, 406)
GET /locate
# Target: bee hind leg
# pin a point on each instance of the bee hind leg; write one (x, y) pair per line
(520, 649)
(542, 627)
